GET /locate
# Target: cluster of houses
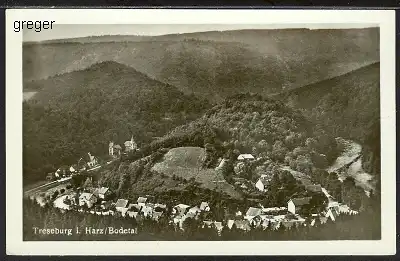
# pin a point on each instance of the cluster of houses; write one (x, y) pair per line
(84, 163)
(275, 217)
(115, 150)
(96, 202)
(90, 161)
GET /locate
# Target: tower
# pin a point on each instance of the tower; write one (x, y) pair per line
(111, 149)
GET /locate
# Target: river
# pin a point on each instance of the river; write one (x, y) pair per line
(351, 155)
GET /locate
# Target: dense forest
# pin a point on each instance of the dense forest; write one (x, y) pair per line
(346, 106)
(83, 111)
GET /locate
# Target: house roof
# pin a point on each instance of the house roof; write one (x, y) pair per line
(158, 205)
(314, 188)
(245, 156)
(274, 209)
(101, 190)
(182, 206)
(300, 201)
(253, 211)
(264, 180)
(128, 143)
(218, 225)
(86, 196)
(141, 200)
(121, 203)
(230, 223)
(203, 205)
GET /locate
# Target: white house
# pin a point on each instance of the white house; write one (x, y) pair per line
(147, 211)
(121, 205)
(295, 204)
(180, 209)
(204, 206)
(141, 201)
(130, 145)
(114, 149)
(92, 161)
(253, 212)
(87, 199)
(245, 157)
(102, 192)
(262, 184)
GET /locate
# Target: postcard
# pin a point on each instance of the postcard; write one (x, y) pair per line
(200, 132)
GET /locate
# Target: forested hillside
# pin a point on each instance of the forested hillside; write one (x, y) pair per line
(216, 65)
(346, 106)
(83, 111)
(275, 134)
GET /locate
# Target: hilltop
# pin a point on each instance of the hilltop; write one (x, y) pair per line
(275, 134)
(82, 111)
(216, 64)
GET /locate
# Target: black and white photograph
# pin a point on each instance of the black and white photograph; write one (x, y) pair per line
(201, 132)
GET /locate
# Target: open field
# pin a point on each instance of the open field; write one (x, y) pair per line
(186, 162)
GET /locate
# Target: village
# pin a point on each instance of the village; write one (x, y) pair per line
(102, 201)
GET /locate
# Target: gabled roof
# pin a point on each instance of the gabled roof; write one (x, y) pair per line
(300, 201)
(253, 211)
(203, 205)
(245, 156)
(230, 223)
(141, 200)
(218, 225)
(117, 147)
(121, 203)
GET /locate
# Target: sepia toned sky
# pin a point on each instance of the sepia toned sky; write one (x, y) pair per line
(62, 31)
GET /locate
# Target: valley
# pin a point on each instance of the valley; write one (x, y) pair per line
(245, 121)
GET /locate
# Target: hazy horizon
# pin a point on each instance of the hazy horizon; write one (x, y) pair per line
(70, 31)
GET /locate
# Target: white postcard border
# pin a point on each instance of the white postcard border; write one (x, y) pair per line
(385, 19)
